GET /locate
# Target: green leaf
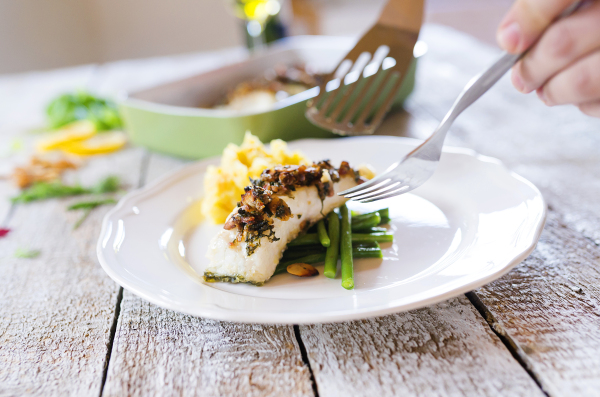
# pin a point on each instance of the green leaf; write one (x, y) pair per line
(83, 106)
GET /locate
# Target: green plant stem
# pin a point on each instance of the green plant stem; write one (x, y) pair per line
(83, 217)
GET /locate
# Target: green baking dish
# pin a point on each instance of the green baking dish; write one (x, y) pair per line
(168, 119)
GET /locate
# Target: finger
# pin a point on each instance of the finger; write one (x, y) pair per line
(563, 43)
(591, 109)
(579, 83)
(526, 21)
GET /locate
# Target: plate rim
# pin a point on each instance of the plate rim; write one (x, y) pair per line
(331, 317)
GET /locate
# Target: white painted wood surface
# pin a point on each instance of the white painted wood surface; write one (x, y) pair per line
(56, 311)
(442, 350)
(158, 352)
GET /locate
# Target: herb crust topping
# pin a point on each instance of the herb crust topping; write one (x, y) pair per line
(260, 203)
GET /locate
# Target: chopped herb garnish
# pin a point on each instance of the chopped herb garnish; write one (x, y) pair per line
(27, 253)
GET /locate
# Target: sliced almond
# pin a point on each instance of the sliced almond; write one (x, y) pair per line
(302, 270)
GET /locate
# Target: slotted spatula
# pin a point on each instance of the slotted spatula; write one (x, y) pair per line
(355, 97)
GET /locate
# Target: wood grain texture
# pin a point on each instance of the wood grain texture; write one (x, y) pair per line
(442, 350)
(164, 353)
(161, 352)
(56, 310)
(548, 305)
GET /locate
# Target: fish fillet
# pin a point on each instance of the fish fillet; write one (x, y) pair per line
(281, 204)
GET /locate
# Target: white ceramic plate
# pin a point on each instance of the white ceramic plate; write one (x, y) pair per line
(468, 225)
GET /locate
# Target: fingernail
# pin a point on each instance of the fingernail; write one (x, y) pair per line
(518, 82)
(509, 37)
(542, 95)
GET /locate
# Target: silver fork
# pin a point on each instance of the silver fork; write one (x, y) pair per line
(418, 166)
(366, 81)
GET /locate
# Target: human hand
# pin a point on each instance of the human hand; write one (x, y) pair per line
(563, 66)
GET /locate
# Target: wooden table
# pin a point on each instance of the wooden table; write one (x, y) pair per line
(67, 329)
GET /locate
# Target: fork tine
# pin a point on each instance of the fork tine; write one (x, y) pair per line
(340, 71)
(367, 110)
(402, 189)
(350, 91)
(384, 189)
(371, 189)
(374, 181)
(346, 96)
(357, 68)
(387, 103)
(351, 113)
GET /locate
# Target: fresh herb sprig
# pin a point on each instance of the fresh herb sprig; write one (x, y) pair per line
(47, 190)
(87, 207)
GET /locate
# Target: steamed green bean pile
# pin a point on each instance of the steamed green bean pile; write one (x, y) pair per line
(346, 236)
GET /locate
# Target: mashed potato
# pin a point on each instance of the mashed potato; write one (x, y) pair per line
(224, 185)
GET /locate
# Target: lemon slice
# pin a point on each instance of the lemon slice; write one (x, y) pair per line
(72, 132)
(104, 142)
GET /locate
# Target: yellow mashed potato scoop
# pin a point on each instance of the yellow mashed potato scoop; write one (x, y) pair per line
(224, 185)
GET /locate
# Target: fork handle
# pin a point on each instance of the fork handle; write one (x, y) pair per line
(480, 84)
(403, 14)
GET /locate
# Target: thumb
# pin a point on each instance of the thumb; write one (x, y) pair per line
(526, 21)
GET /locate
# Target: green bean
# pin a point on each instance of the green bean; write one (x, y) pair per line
(375, 230)
(367, 245)
(377, 237)
(385, 216)
(367, 250)
(322, 233)
(384, 213)
(307, 239)
(346, 248)
(294, 254)
(361, 254)
(333, 250)
(314, 258)
(366, 222)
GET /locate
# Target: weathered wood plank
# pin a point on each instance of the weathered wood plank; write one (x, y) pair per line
(442, 350)
(56, 310)
(548, 305)
(161, 352)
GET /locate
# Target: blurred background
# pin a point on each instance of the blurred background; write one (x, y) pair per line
(47, 34)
